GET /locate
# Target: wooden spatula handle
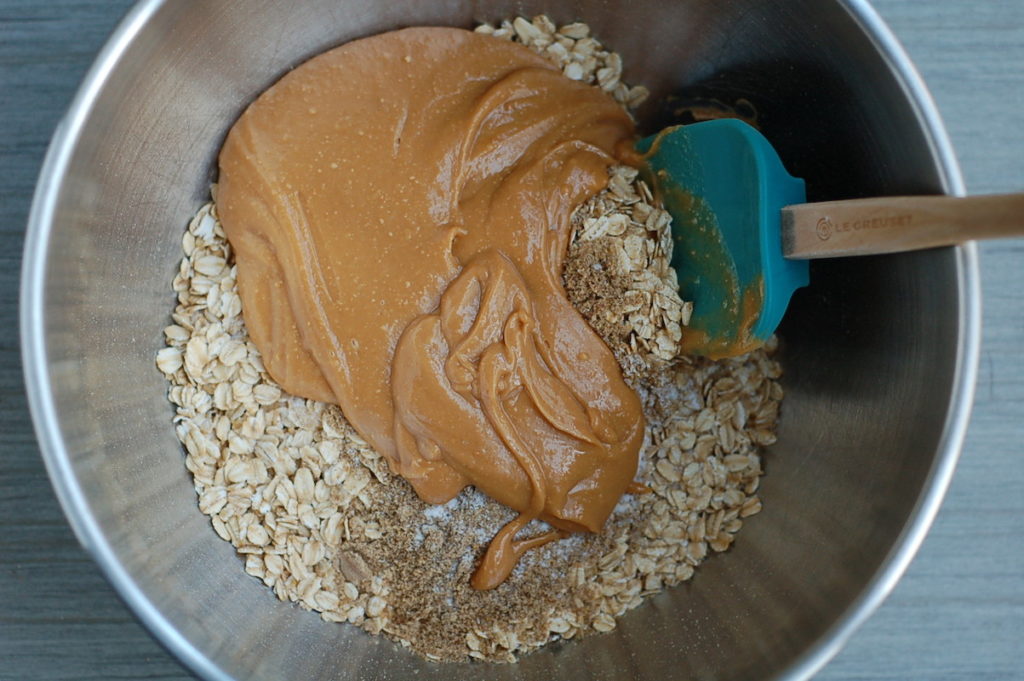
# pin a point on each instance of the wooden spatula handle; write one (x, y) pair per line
(893, 224)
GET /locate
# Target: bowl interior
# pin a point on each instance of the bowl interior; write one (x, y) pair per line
(870, 350)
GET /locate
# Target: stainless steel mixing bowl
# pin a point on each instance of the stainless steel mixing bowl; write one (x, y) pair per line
(879, 353)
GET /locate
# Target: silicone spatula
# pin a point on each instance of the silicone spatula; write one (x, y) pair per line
(743, 231)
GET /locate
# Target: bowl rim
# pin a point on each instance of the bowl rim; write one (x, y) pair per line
(76, 506)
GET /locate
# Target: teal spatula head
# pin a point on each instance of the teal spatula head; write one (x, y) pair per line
(725, 188)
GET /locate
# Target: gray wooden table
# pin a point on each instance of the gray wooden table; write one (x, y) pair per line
(957, 614)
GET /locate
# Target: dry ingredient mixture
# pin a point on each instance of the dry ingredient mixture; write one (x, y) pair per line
(317, 515)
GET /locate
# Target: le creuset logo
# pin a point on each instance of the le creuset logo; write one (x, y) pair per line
(826, 228)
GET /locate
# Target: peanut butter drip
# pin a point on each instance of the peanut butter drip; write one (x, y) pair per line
(399, 210)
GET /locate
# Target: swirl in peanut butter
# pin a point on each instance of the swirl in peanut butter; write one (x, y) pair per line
(399, 210)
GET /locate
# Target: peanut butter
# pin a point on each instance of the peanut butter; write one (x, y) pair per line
(399, 210)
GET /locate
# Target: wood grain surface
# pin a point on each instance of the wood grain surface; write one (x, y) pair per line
(895, 224)
(957, 614)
